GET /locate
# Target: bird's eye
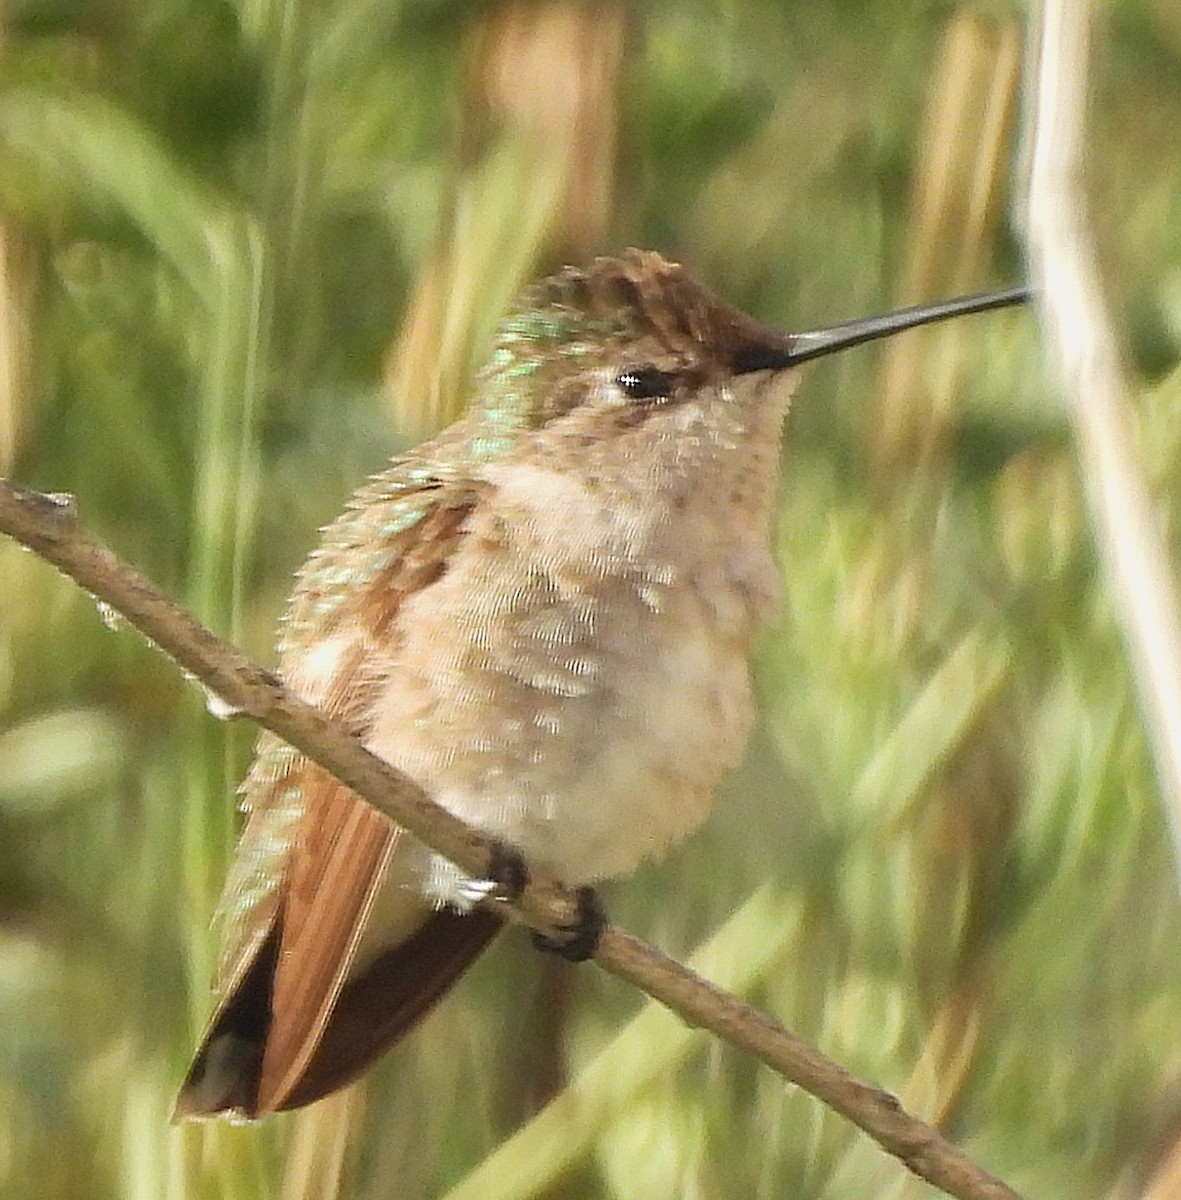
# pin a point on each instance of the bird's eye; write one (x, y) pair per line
(646, 383)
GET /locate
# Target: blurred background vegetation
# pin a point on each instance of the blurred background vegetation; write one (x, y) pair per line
(249, 248)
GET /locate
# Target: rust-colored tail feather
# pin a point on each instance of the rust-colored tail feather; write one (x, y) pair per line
(385, 1003)
(371, 1013)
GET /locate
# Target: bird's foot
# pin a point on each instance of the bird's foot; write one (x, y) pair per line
(579, 940)
(507, 872)
(505, 880)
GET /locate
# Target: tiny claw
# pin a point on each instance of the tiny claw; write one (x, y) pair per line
(469, 892)
(579, 940)
(507, 870)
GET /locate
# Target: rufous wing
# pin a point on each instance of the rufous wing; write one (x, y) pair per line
(336, 868)
(297, 1017)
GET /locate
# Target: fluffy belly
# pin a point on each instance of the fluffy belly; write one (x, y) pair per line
(589, 734)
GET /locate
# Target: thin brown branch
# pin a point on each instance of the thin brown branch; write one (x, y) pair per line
(49, 526)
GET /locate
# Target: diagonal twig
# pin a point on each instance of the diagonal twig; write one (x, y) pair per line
(49, 526)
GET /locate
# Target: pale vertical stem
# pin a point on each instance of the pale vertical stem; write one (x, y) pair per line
(1082, 349)
(898, 421)
(13, 346)
(988, 167)
(540, 101)
(315, 1162)
(961, 164)
(14, 342)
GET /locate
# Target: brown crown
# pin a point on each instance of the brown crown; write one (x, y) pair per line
(640, 292)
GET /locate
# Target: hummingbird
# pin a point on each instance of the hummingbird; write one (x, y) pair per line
(544, 616)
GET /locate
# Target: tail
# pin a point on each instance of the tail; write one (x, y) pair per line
(244, 1066)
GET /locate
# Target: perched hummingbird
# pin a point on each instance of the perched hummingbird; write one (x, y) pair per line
(544, 617)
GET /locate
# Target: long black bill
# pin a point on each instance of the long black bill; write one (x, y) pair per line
(819, 342)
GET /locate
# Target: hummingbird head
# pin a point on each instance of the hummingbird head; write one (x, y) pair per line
(625, 335)
(632, 335)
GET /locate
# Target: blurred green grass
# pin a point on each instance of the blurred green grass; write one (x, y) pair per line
(216, 217)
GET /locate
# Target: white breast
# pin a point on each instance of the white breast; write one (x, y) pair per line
(576, 684)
